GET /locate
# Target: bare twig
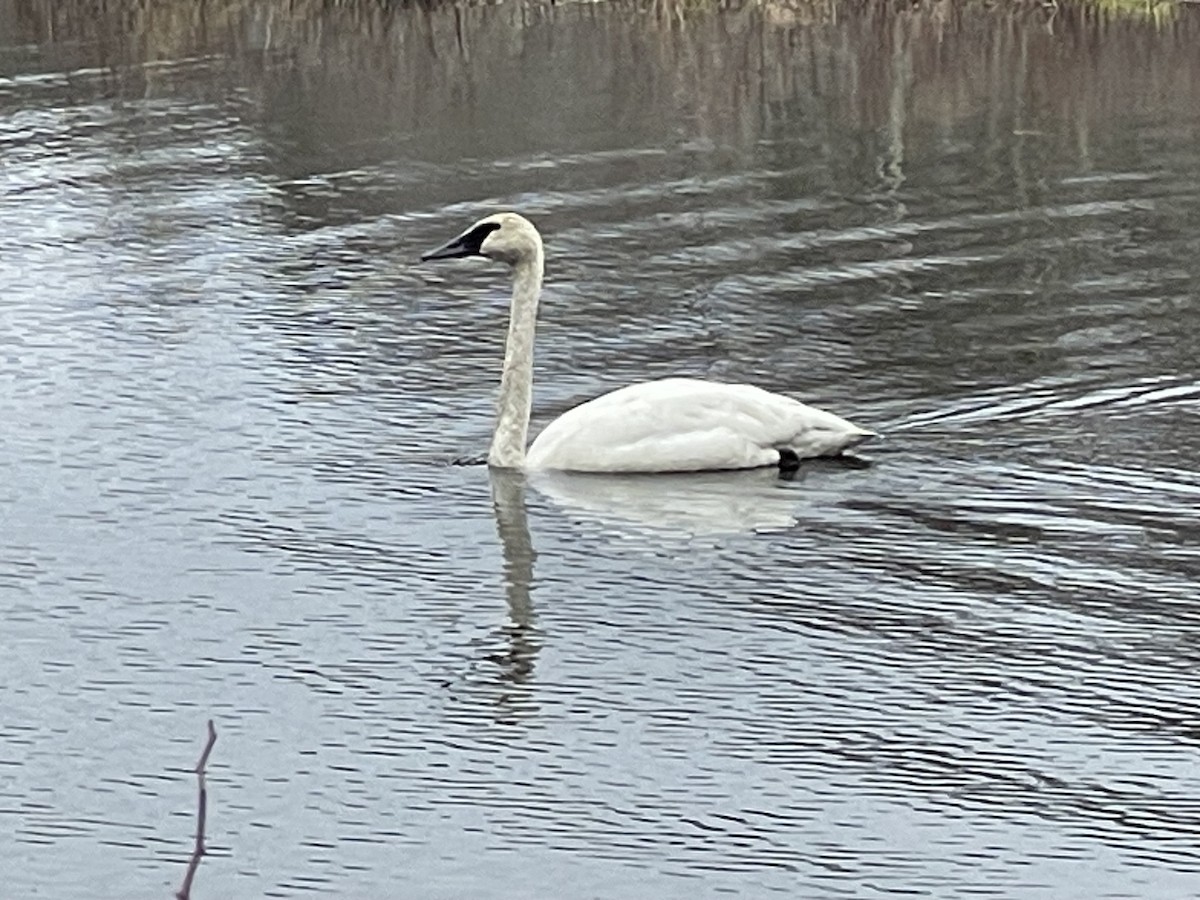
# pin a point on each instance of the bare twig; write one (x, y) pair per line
(185, 890)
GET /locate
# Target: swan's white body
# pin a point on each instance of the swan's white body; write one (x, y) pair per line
(671, 425)
(687, 425)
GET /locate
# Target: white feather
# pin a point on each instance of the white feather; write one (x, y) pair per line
(687, 425)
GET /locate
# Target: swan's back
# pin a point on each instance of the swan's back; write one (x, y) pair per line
(685, 424)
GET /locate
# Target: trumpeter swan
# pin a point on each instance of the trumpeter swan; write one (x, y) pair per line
(670, 425)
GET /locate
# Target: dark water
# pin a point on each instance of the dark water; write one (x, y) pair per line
(229, 396)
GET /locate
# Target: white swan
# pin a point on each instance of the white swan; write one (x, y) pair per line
(671, 425)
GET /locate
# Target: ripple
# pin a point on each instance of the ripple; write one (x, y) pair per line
(231, 395)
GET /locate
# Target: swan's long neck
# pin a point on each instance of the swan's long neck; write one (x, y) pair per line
(516, 381)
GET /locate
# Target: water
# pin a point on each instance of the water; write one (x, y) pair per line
(230, 399)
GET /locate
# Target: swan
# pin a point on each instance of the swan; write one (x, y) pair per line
(669, 425)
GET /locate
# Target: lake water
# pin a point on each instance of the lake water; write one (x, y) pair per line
(230, 399)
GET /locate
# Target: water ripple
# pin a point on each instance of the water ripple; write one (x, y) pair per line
(960, 664)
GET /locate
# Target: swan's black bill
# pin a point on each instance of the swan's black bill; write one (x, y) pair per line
(466, 244)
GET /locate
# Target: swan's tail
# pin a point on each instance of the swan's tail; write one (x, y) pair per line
(859, 436)
(826, 434)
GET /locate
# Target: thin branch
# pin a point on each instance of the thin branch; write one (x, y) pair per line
(185, 890)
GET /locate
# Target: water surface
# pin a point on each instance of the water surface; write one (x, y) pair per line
(231, 399)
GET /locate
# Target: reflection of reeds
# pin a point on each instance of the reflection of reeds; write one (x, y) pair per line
(167, 28)
(1159, 11)
(735, 72)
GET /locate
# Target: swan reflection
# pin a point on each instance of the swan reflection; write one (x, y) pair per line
(512, 527)
(501, 669)
(701, 504)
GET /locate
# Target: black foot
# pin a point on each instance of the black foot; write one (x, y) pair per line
(788, 460)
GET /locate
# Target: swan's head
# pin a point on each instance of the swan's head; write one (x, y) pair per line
(506, 237)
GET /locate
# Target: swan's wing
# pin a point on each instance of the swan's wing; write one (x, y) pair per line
(684, 424)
